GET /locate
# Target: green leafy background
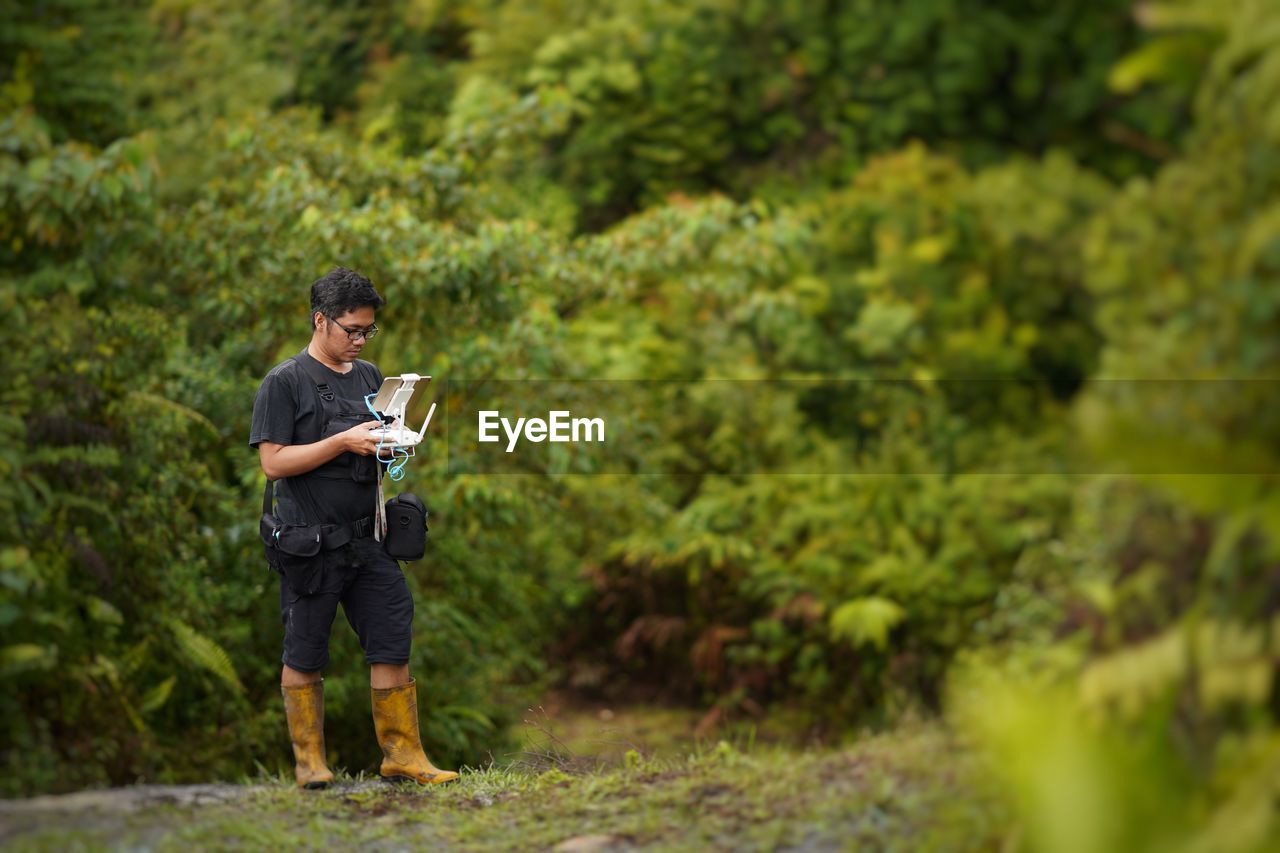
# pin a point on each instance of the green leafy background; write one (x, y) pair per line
(1003, 206)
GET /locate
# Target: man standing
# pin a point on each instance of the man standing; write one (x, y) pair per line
(311, 428)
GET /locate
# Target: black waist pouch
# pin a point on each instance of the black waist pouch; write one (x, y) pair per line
(292, 549)
(406, 537)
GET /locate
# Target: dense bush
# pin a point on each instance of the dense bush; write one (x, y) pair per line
(961, 324)
(881, 355)
(738, 96)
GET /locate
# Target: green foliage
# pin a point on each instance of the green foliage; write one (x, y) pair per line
(670, 97)
(866, 621)
(1157, 721)
(948, 226)
(747, 581)
(63, 59)
(53, 197)
(202, 652)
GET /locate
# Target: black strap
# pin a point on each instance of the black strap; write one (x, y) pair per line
(319, 375)
(313, 369)
(337, 535)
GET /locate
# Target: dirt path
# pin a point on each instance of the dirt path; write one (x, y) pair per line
(120, 800)
(105, 811)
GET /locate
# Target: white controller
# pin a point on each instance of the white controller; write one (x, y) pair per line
(393, 401)
(399, 436)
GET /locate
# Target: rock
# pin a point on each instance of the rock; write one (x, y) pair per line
(591, 844)
(129, 799)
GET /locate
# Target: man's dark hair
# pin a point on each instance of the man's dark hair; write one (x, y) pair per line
(341, 290)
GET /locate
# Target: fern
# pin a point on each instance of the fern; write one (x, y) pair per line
(465, 712)
(164, 404)
(133, 658)
(103, 668)
(205, 653)
(157, 696)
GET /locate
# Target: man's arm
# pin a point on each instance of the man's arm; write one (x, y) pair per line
(290, 460)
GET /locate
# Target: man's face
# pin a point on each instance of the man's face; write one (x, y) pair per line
(334, 337)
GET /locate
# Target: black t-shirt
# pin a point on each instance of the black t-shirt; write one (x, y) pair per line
(288, 410)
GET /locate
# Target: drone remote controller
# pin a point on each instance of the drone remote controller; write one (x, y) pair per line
(393, 401)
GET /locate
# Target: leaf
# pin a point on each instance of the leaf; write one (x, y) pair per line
(465, 712)
(1166, 58)
(205, 653)
(157, 696)
(866, 621)
(134, 657)
(112, 186)
(881, 325)
(167, 405)
(22, 657)
(38, 168)
(103, 611)
(1132, 678)
(310, 216)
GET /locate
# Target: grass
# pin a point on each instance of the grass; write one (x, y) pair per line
(908, 790)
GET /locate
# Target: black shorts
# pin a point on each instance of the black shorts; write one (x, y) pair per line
(374, 595)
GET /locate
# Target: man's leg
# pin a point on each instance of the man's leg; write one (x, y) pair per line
(307, 622)
(384, 675)
(290, 677)
(380, 609)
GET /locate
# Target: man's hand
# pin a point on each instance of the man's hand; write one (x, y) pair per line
(359, 440)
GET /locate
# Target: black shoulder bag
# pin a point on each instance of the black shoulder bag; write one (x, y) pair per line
(406, 537)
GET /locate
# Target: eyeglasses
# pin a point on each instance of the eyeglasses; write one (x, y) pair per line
(355, 334)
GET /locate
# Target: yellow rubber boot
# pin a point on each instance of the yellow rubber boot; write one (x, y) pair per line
(304, 707)
(395, 719)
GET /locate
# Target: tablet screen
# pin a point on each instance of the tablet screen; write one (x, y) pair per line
(390, 385)
(394, 398)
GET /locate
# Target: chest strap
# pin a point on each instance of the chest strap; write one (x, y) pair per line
(319, 377)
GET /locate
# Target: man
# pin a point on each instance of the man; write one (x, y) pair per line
(311, 427)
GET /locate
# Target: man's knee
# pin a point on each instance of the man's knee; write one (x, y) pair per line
(305, 658)
(290, 677)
